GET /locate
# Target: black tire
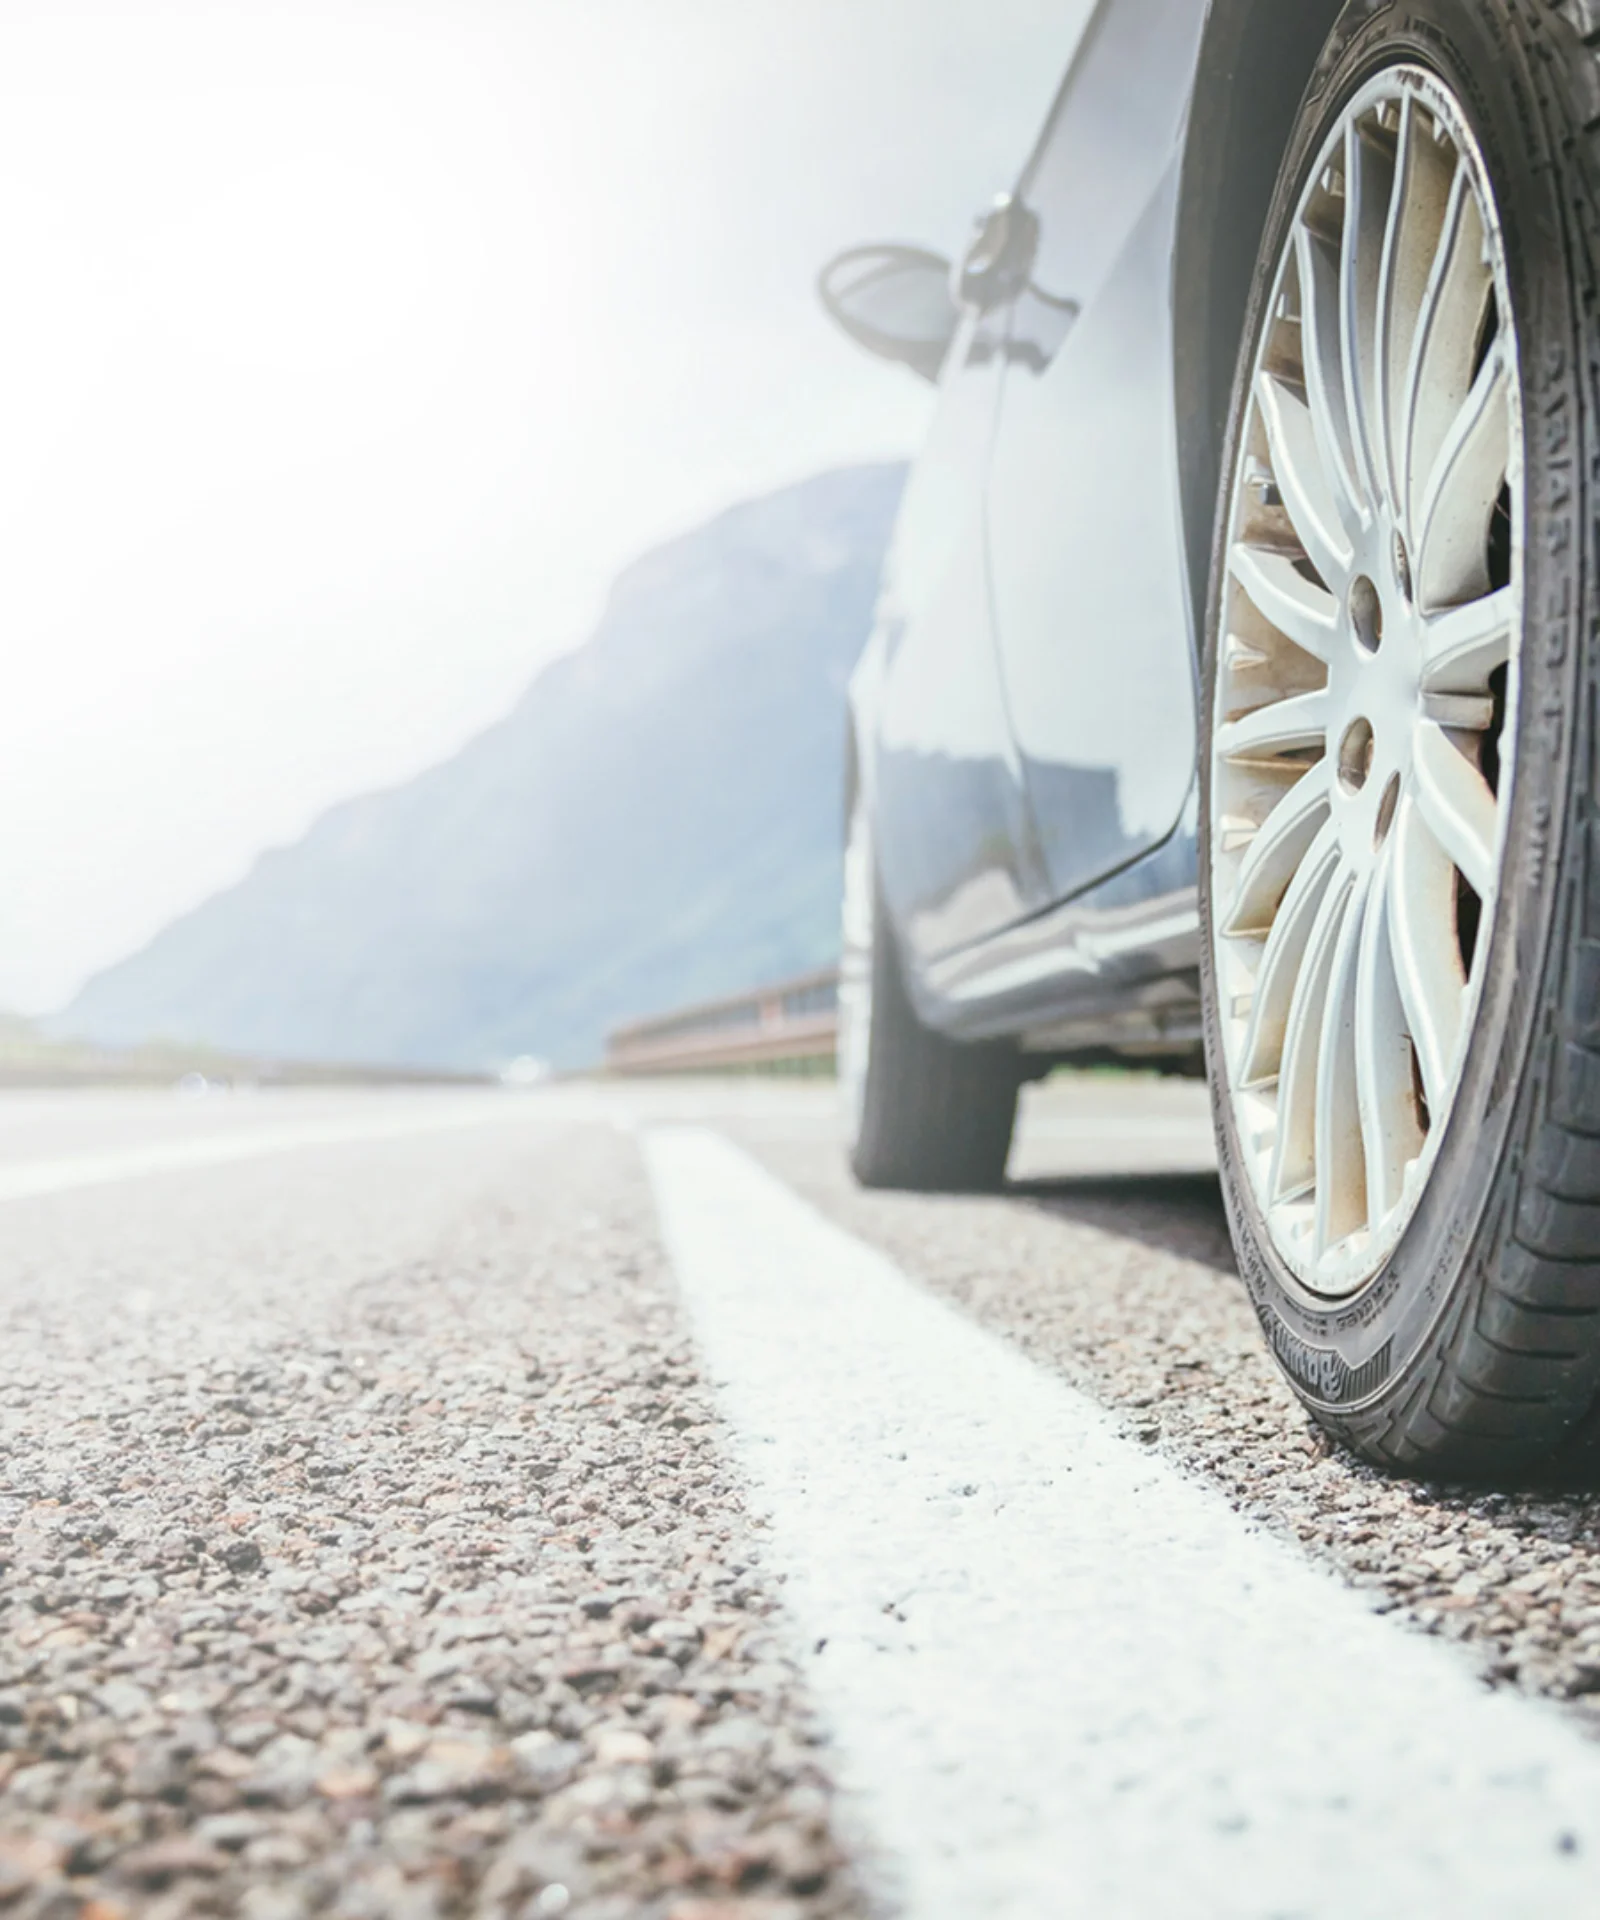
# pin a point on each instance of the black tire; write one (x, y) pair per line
(935, 1115)
(1476, 1350)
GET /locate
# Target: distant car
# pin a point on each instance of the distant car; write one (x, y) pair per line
(1234, 683)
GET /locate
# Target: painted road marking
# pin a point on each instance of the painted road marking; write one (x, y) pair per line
(1064, 1679)
(24, 1179)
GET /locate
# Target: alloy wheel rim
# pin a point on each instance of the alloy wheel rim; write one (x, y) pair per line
(1364, 721)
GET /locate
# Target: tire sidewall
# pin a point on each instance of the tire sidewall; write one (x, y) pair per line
(1355, 1361)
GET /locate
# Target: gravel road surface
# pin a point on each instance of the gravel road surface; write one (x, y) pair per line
(371, 1545)
(368, 1545)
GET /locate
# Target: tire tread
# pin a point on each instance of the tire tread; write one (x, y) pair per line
(938, 1114)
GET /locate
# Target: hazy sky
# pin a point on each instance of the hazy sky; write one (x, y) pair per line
(349, 348)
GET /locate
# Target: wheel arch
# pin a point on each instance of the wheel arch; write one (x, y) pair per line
(1256, 60)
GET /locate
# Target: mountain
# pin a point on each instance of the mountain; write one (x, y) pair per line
(657, 821)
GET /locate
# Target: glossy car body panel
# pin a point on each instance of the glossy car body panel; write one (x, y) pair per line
(1092, 611)
(1025, 715)
(954, 837)
(1115, 969)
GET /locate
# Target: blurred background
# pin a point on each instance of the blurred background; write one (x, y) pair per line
(439, 519)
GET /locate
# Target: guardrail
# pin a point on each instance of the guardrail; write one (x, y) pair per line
(789, 1027)
(30, 1059)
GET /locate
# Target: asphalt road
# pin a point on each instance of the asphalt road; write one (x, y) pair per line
(588, 1502)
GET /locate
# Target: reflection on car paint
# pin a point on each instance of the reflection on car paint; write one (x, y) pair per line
(1028, 723)
(948, 797)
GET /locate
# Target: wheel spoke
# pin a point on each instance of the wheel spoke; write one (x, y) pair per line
(1294, 1152)
(855, 965)
(1459, 502)
(1282, 726)
(1368, 186)
(1340, 1160)
(1308, 496)
(1439, 375)
(1458, 805)
(1391, 1128)
(1463, 647)
(1425, 950)
(1282, 959)
(1319, 342)
(856, 927)
(1416, 210)
(1277, 850)
(1281, 594)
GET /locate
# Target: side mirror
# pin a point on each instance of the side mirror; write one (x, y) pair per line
(895, 302)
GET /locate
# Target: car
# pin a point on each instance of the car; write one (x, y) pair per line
(1231, 700)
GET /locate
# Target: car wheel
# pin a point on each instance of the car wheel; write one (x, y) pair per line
(1402, 926)
(920, 1111)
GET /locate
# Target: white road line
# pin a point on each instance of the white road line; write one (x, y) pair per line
(1064, 1679)
(24, 1179)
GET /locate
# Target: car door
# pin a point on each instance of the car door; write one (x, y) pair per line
(1092, 613)
(955, 851)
